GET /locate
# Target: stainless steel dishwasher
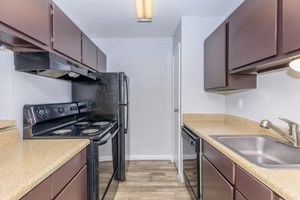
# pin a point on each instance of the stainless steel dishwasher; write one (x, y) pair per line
(192, 163)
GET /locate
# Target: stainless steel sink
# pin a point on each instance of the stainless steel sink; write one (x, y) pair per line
(262, 151)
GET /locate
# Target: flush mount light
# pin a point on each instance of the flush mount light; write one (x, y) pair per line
(295, 64)
(144, 10)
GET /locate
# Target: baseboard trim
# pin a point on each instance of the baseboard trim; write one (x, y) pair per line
(149, 157)
(180, 176)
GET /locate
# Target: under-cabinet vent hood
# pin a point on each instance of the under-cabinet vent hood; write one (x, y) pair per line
(50, 65)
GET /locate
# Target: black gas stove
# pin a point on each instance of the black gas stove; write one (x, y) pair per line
(73, 121)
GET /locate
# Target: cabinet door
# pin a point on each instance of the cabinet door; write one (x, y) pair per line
(89, 52)
(250, 188)
(215, 186)
(220, 161)
(76, 189)
(239, 196)
(252, 32)
(101, 61)
(215, 68)
(42, 191)
(291, 25)
(65, 173)
(276, 197)
(66, 35)
(31, 17)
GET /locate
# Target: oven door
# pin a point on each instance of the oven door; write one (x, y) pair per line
(191, 162)
(106, 165)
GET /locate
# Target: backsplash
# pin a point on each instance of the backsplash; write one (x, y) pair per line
(277, 95)
(19, 88)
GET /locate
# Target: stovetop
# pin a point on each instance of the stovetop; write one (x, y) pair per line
(83, 129)
(64, 120)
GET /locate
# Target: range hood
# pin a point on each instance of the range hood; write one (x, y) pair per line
(50, 65)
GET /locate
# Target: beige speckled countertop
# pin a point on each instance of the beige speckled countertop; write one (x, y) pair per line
(25, 164)
(7, 123)
(285, 182)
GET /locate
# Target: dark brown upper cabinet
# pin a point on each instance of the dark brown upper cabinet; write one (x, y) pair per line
(216, 76)
(252, 33)
(215, 68)
(101, 61)
(89, 53)
(290, 25)
(30, 17)
(66, 35)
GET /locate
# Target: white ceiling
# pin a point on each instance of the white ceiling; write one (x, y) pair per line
(116, 18)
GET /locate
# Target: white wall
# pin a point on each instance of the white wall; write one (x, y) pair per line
(17, 89)
(194, 99)
(278, 95)
(147, 62)
(177, 37)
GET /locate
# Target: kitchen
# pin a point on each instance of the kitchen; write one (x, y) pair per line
(219, 68)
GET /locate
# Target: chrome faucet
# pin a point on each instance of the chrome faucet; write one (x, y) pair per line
(291, 136)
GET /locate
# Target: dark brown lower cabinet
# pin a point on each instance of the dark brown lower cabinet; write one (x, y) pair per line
(223, 164)
(76, 189)
(65, 174)
(69, 182)
(251, 188)
(42, 191)
(276, 197)
(215, 186)
(223, 179)
(239, 196)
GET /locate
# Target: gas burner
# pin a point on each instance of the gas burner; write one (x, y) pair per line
(62, 132)
(90, 132)
(101, 123)
(83, 124)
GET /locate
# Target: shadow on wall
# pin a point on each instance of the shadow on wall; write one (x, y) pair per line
(18, 89)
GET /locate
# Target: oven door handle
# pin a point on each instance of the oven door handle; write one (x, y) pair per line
(101, 142)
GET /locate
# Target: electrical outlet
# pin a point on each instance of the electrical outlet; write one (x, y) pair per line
(240, 103)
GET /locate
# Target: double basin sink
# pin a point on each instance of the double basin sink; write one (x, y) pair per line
(262, 151)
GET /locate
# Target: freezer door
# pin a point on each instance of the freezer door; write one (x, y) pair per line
(104, 94)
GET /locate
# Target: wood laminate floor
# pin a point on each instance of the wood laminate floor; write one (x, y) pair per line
(152, 180)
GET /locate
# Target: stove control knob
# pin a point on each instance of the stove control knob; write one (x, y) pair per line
(41, 113)
(73, 108)
(61, 110)
(47, 111)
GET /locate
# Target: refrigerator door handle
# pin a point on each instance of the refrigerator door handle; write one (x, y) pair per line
(126, 90)
(127, 119)
(127, 106)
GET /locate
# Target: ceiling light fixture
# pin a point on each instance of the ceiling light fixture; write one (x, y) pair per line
(295, 64)
(144, 10)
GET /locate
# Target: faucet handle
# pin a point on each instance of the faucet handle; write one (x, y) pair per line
(289, 122)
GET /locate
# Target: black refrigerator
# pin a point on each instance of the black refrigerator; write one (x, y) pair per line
(109, 102)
